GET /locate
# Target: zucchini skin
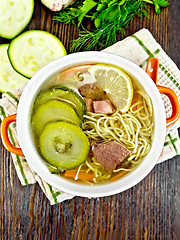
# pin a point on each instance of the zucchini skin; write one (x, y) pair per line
(13, 64)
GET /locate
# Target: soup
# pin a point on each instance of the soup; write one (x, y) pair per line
(92, 123)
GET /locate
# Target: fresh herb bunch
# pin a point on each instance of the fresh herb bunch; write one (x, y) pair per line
(107, 17)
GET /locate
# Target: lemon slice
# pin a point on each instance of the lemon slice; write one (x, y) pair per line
(116, 83)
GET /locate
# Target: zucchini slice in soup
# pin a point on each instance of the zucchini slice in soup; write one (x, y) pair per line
(63, 145)
(64, 94)
(54, 110)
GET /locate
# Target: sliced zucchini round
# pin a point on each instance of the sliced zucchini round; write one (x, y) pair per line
(75, 99)
(34, 49)
(9, 79)
(63, 145)
(14, 16)
(53, 110)
(64, 94)
(50, 94)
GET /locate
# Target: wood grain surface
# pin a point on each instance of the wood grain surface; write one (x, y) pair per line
(149, 210)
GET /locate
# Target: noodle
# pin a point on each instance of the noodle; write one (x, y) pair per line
(133, 129)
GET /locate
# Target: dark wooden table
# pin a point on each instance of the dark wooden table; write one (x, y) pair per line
(150, 210)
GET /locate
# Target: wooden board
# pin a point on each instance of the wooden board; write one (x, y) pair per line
(150, 210)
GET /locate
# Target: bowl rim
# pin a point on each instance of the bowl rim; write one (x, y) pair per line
(26, 140)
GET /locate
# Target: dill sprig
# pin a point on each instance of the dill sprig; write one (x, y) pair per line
(107, 18)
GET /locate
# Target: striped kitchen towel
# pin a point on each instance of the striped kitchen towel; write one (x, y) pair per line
(138, 48)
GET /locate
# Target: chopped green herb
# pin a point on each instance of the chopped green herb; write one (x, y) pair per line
(107, 18)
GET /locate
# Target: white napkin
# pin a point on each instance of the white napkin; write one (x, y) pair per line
(138, 48)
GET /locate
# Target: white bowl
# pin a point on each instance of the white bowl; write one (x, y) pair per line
(26, 138)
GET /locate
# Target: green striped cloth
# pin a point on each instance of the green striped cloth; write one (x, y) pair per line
(138, 48)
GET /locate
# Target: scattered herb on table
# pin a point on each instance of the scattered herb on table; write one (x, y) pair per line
(107, 17)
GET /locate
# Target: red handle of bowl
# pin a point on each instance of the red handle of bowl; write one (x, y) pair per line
(174, 102)
(5, 137)
(152, 71)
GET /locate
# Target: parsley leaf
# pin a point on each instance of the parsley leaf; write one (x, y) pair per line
(158, 4)
(86, 7)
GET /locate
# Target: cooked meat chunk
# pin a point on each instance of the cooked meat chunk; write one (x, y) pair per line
(110, 154)
(93, 92)
(89, 104)
(103, 107)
